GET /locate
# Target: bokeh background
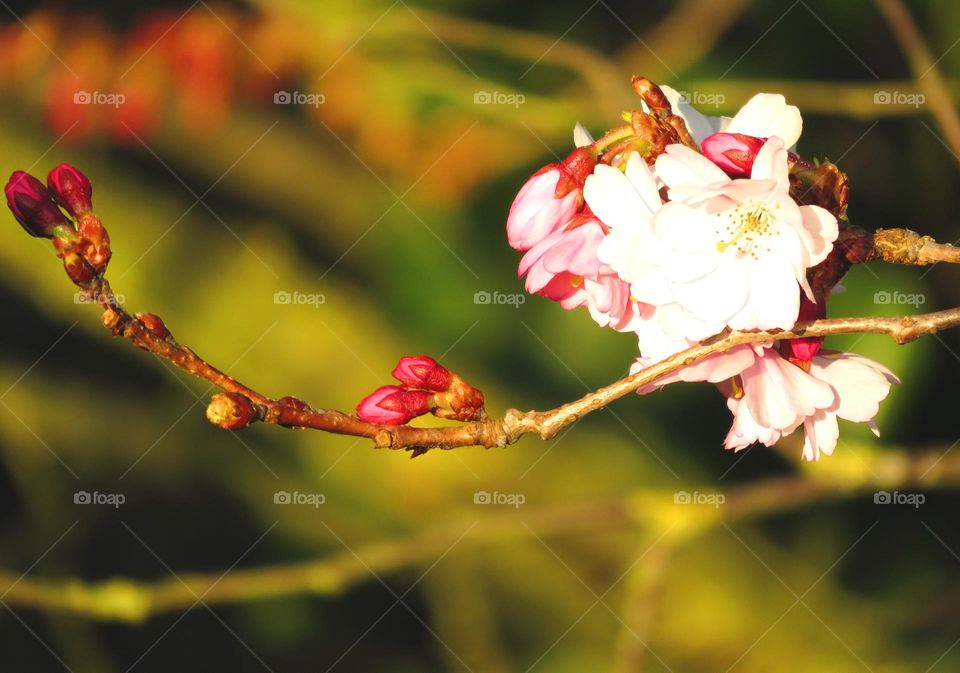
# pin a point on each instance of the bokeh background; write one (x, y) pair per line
(376, 200)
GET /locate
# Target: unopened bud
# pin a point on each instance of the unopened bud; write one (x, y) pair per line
(33, 206)
(95, 243)
(155, 324)
(231, 411)
(393, 405)
(423, 372)
(732, 152)
(71, 189)
(461, 402)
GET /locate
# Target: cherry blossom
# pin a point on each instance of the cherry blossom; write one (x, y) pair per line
(735, 250)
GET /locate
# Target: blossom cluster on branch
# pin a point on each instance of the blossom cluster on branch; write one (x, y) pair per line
(677, 226)
(709, 238)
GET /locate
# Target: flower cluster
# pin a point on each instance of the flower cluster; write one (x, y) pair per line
(428, 387)
(678, 226)
(62, 210)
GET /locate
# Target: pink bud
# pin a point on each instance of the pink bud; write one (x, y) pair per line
(804, 349)
(71, 188)
(733, 152)
(392, 405)
(32, 205)
(423, 372)
(549, 199)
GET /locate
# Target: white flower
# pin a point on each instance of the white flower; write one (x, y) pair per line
(763, 116)
(736, 251)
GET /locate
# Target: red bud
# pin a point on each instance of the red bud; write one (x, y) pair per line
(71, 189)
(733, 152)
(393, 405)
(33, 206)
(423, 372)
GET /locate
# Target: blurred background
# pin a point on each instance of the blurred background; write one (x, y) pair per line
(307, 191)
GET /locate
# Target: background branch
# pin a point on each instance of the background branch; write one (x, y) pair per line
(652, 511)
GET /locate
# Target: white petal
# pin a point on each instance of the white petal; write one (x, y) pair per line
(821, 226)
(679, 165)
(614, 199)
(641, 178)
(766, 115)
(771, 164)
(699, 124)
(860, 383)
(718, 295)
(774, 299)
(581, 136)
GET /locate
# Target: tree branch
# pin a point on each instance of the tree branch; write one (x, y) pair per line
(899, 246)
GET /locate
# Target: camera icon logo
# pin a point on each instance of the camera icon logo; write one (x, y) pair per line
(882, 297)
(282, 98)
(282, 498)
(482, 498)
(882, 98)
(482, 297)
(882, 498)
(82, 98)
(482, 98)
(82, 498)
(282, 297)
(682, 498)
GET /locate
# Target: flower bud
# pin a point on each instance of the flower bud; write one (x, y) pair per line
(231, 411)
(733, 152)
(71, 189)
(423, 372)
(461, 402)
(549, 199)
(32, 205)
(393, 405)
(155, 324)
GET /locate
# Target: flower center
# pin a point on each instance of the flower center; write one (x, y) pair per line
(744, 228)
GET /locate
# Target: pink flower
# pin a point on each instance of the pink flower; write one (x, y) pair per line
(736, 250)
(860, 384)
(772, 397)
(393, 405)
(548, 200)
(565, 267)
(423, 372)
(732, 152)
